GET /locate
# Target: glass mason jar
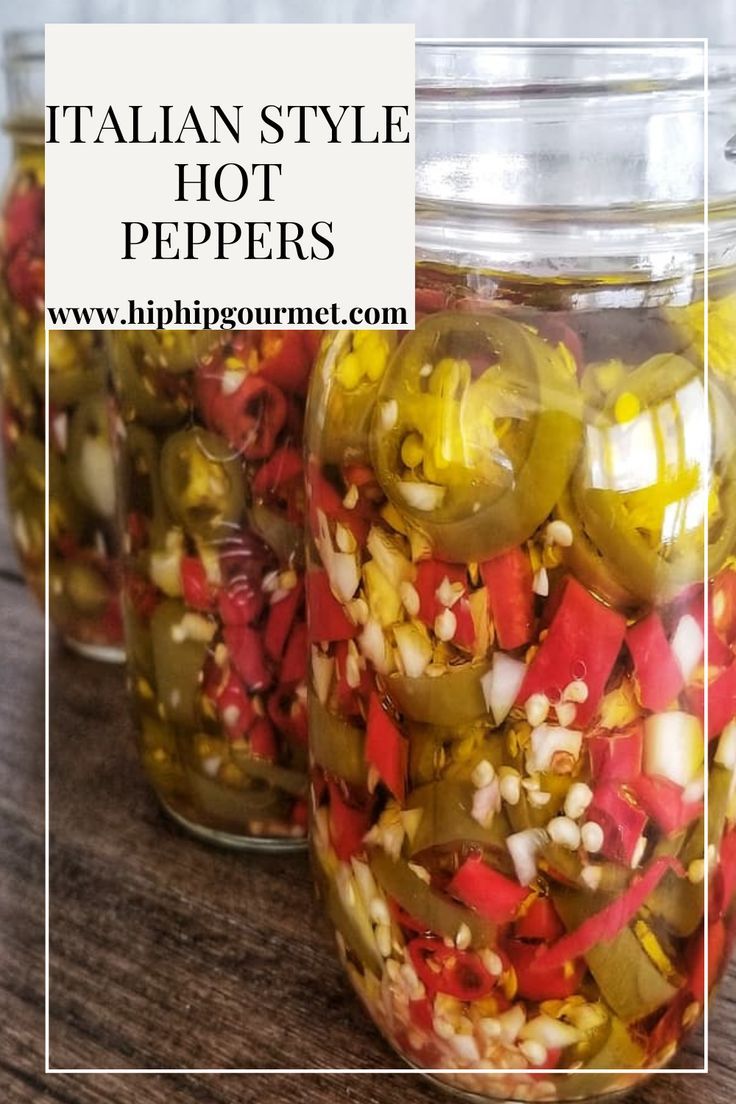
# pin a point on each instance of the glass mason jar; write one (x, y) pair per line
(212, 497)
(509, 512)
(83, 571)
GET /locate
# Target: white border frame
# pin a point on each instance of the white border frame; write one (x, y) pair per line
(405, 1070)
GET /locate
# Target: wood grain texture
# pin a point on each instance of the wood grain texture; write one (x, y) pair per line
(167, 953)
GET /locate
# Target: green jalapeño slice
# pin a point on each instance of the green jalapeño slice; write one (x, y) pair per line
(475, 432)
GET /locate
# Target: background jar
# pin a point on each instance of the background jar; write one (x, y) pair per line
(506, 579)
(83, 572)
(212, 504)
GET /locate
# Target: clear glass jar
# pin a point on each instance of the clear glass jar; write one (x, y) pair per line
(212, 494)
(506, 591)
(83, 568)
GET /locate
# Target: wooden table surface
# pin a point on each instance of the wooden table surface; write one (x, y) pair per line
(165, 952)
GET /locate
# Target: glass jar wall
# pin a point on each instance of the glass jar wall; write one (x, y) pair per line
(508, 604)
(83, 571)
(23, 353)
(212, 498)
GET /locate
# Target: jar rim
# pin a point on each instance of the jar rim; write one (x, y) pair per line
(23, 44)
(683, 57)
(532, 68)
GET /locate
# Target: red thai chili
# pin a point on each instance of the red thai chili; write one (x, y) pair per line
(442, 969)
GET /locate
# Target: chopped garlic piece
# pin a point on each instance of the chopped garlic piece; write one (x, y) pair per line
(578, 798)
(592, 836)
(447, 593)
(566, 713)
(541, 583)
(564, 832)
(415, 648)
(548, 743)
(322, 669)
(575, 691)
(409, 598)
(445, 625)
(559, 532)
(422, 496)
(389, 413)
(537, 709)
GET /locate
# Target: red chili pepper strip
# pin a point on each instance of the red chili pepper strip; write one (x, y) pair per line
(584, 636)
(263, 740)
(24, 276)
(622, 822)
(723, 608)
(425, 585)
(300, 813)
(254, 417)
(286, 358)
(466, 635)
(285, 465)
(721, 595)
(142, 595)
(235, 708)
(327, 618)
(281, 616)
(324, 497)
(288, 713)
(725, 879)
(662, 800)
(616, 756)
(347, 824)
(250, 418)
(540, 922)
(658, 676)
(716, 950)
(487, 891)
(294, 663)
(386, 749)
(23, 231)
(721, 701)
(23, 217)
(421, 1014)
(459, 974)
(243, 557)
(535, 980)
(605, 925)
(246, 652)
(196, 588)
(241, 603)
(510, 583)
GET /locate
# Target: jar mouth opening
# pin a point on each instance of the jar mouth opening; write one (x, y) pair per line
(498, 66)
(23, 45)
(528, 69)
